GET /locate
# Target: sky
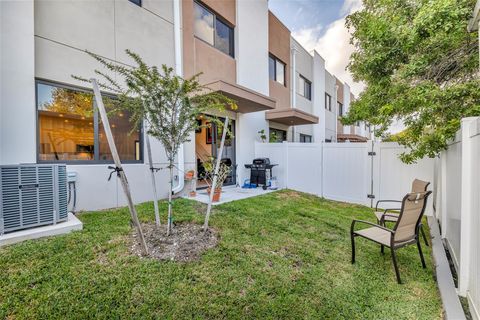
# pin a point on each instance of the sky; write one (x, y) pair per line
(320, 25)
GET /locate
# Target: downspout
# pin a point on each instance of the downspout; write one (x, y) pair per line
(335, 107)
(177, 34)
(293, 80)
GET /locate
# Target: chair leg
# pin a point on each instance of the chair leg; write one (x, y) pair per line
(382, 249)
(394, 259)
(424, 235)
(421, 254)
(352, 236)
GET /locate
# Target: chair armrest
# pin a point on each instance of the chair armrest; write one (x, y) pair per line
(379, 201)
(385, 214)
(352, 230)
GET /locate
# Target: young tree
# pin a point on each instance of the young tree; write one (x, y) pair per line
(420, 66)
(168, 104)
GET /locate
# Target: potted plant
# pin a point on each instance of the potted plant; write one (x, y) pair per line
(222, 175)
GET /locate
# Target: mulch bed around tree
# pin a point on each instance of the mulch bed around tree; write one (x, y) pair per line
(186, 242)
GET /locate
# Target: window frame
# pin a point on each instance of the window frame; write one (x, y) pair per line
(222, 20)
(305, 136)
(328, 106)
(306, 84)
(136, 2)
(277, 60)
(96, 128)
(340, 108)
(283, 132)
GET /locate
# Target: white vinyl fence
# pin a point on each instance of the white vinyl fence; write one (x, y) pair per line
(366, 172)
(347, 172)
(458, 208)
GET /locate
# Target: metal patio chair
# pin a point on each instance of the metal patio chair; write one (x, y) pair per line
(404, 233)
(383, 217)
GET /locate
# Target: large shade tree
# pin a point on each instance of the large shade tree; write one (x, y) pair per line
(420, 67)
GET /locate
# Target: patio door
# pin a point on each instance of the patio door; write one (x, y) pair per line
(228, 154)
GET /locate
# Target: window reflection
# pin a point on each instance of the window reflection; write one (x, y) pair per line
(223, 37)
(68, 131)
(126, 140)
(65, 124)
(203, 24)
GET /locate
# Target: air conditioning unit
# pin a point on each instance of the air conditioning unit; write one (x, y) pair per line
(32, 195)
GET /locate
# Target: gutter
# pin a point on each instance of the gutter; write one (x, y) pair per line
(177, 33)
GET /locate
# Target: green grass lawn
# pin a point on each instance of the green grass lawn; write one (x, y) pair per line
(281, 255)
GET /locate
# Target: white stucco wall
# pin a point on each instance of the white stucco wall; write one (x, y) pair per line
(251, 45)
(17, 90)
(346, 105)
(330, 82)
(319, 77)
(46, 39)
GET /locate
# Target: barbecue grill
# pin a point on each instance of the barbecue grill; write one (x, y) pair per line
(260, 171)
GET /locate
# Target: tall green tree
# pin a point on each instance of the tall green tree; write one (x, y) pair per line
(420, 67)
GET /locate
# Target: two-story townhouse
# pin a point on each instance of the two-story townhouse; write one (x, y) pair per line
(47, 116)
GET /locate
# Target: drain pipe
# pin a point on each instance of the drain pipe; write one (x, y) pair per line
(177, 33)
(335, 108)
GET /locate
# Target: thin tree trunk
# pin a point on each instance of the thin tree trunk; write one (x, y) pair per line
(215, 175)
(154, 185)
(169, 224)
(118, 164)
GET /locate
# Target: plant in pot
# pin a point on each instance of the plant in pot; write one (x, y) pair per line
(222, 175)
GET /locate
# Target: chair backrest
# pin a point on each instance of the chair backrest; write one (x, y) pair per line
(411, 213)
(419, 185)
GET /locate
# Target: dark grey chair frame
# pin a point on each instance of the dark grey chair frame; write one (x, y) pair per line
(385, 214)
(393, 245)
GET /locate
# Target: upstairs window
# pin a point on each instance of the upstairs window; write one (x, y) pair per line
(211, 29)
(328, 102)
(276, 69)
(305, 87)
(69, 128)
(340, 109)
(137, 2)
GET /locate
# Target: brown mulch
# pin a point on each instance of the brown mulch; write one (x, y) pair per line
(186, 242)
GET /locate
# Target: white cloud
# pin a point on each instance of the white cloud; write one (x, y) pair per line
(334, 45)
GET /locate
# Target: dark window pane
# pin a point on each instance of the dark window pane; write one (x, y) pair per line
(126, 140)
(203, 24)
(305, 138)
(223, 37)
(137, 2)
(340, 109)
(277, 135)
(65, 119)
(308, 90)
(271, 68)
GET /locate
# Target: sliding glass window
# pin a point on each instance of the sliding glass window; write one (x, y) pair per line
(212, 29)
(69, 129)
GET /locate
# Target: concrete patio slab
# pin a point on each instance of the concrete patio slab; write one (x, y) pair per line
(72, 223)
(230, 194)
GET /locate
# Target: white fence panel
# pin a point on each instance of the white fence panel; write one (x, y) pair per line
(277, 153)
(453, 191)
(473, 292)
(305, 167)
(347, 172)
(393, 178)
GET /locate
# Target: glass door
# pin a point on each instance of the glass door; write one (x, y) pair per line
(228, 154)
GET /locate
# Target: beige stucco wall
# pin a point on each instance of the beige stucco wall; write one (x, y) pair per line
(279, 46)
